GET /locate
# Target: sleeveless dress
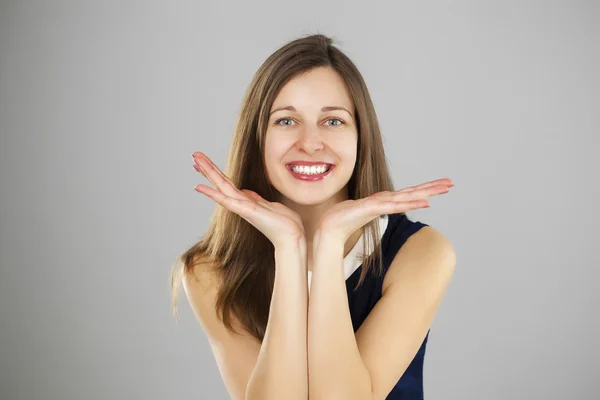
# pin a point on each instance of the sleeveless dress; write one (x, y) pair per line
(395, 229)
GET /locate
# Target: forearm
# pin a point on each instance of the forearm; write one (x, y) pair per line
(336, 368)
(281, 371)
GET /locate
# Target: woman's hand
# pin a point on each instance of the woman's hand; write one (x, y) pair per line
(344, 218)
(278, 223)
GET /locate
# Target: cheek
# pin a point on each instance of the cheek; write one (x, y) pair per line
(274, 150)
(346, 148)
(274, 154)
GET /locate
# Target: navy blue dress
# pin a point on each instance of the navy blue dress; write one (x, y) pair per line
(362, 300)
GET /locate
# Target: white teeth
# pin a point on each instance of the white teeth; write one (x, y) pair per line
(312, 170)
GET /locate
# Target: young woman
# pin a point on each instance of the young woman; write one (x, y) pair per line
(311, 281)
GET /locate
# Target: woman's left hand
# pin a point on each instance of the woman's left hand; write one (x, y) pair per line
(343, 219)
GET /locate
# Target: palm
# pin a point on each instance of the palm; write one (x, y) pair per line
(340, 212)
(346, 217)
(277, 222)
(294, 220)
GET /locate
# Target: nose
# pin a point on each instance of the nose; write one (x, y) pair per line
(310, 141)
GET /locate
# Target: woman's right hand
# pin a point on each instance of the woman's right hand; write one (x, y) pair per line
(281, 225)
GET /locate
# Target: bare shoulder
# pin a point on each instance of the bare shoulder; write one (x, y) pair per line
(235, 354)
(201, 287)
(425, 251)
(201, 284)
(201, 280)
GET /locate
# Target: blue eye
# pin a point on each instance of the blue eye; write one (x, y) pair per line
(282, 119)
(341, 122)
(336, 119)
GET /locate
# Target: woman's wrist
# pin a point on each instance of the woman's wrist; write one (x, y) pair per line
(327, 240)
(290, 245)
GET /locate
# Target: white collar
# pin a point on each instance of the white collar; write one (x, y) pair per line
(353, 259)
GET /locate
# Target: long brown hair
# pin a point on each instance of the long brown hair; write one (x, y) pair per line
(243, 257)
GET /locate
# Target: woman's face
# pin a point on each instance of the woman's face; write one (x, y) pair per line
(308, 133)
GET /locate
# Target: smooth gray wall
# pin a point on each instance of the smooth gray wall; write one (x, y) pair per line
(102, 104)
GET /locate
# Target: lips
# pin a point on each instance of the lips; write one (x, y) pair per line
(308, 163)
(313, 177)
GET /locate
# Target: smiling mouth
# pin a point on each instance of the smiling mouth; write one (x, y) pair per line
(310, 173)
(310, 170)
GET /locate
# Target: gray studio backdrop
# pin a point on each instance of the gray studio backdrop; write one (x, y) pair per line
(102, 103)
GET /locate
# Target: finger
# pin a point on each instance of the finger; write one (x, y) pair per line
(415, 194)
(202, 170)
(251, 211)
(378, 207)
(197, 168)
(426, 185)
(232, 204)
(418, 194)
(204, 157)
(216, 177)
(210, 192)
(444, 181)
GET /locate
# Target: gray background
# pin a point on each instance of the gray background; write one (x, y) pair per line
(102, 104)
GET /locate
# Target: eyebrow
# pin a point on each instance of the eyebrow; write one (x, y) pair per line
(326, 108)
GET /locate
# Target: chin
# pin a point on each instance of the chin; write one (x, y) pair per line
(313, 200)
(313, 196)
